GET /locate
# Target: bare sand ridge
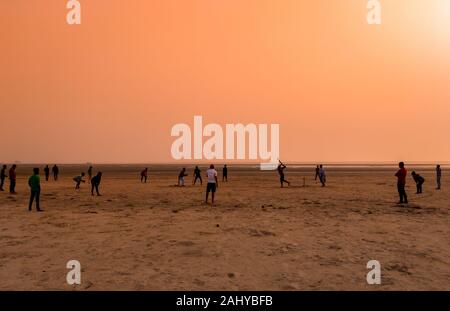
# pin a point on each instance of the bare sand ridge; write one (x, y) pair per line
(156, 236)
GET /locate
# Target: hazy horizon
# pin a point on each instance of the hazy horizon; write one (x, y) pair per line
(110, 90)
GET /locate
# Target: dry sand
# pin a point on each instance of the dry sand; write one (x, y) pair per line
(156, 236)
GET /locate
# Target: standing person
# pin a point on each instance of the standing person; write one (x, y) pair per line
(197, 175)
(181, 177)
(317, 172)
(55, 171)
(3, 177)
(46, 172)
(419, 180)
(213, 183)
(95, 183)
(438, 176)
(89, 174)
(322, 175)
(281, 167)
(401, 183)
(79, 179)
(12, 179)
(144, 175)
(35, 189)
(225, 173)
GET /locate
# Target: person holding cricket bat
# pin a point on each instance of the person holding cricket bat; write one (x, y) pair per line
(280, 170)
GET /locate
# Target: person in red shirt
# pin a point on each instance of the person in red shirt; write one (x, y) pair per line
(401, 183)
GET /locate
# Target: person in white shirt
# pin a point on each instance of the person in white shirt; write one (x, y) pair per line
(212, 184)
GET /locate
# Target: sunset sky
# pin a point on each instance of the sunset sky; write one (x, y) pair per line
(110, 90)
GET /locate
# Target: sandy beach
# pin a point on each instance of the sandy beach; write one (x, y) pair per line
(157, 236)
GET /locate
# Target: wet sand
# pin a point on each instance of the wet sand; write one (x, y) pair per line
(157, 236)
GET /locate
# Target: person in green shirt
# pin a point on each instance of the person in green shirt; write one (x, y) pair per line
(35, 186)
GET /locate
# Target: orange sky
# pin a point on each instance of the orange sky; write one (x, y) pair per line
(110, 89)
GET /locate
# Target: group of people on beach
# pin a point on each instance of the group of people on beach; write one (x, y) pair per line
(34, 181)
(211, 177)
(418, 180)
(198, 176)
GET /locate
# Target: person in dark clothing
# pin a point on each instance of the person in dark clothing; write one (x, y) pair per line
(35, 189)
(322, 175)
(280, 169)
(438, 176)
(55, 171)
(46, 172)
(12, 179)
(181, 177)
(225, 173)
(401, 183)
(3, 177)
(197, 175)
(144, 175)
(419, 180)
(79, 179)
(95, 183)
(317, 172)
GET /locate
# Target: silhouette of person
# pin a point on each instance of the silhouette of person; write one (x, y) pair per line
(181, 177)
(144, 175)
(213, 183)
(197, 175)
(95, 183)
(317, 172)
(419, 180)
(89, 174)
(281, 167)
(55, 171)
(438, 176)
(46, 172)
(12, 179)
(225, 173)
(79, 179)
(35, 189)
(322, 175)
(3, 177)
(401, 183)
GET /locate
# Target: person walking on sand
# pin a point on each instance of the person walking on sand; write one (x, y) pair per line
(225, 173)
(95, 183)
(197, 175)
(401, 183)
(79, 179)
(317, 172)
(3, 177)
(144, 175)
(89, 171)
(181, 177)
(322, 175)
(55, 171)
(35, 189)
(419, 180)
(438, 176)
(46, 172)
(281, 167)
(12, 179)
(212, 185)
